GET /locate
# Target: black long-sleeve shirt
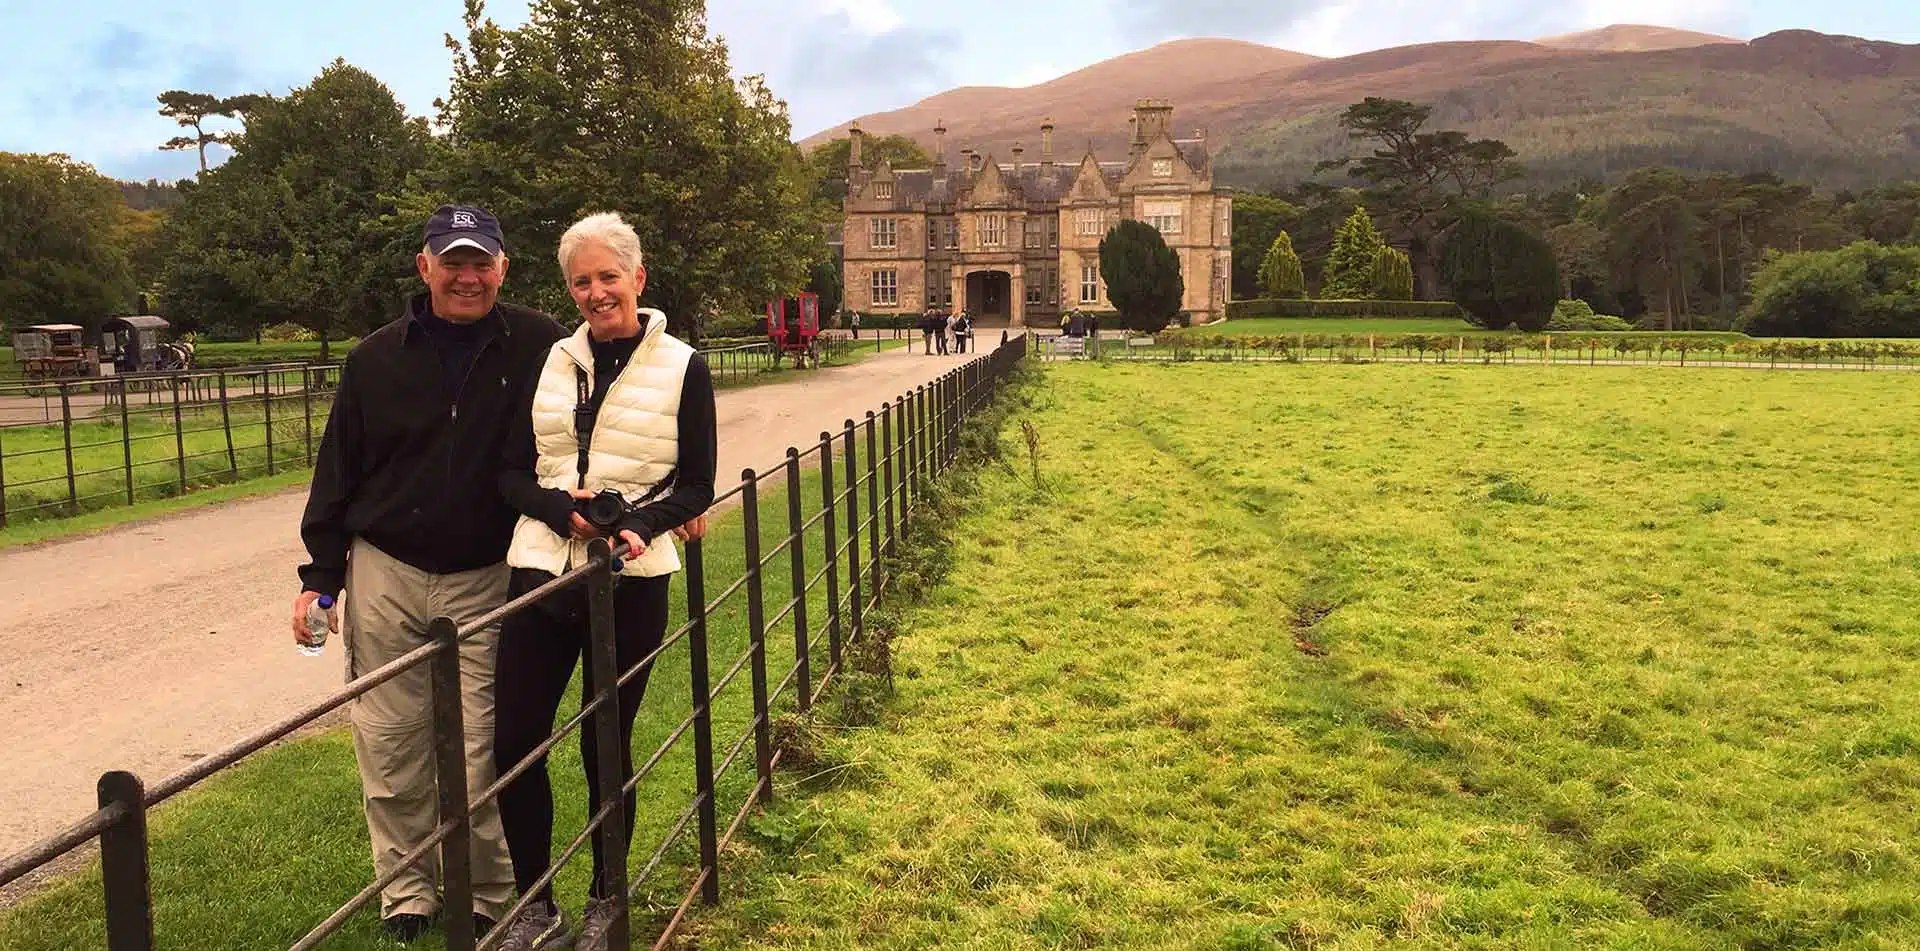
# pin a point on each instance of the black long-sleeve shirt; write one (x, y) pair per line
(698, 435)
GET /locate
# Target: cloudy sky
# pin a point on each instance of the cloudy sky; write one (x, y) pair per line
(81, 79)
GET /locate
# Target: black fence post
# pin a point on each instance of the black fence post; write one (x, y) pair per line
(126, 438)
(124, 873)
(450, 763)
(757, 630)
(179, 436)
(853, 533)
(306, 407)
(903, 417)
(606, 739)
(886, 463)
(828, 505)
(3, 486)
(226, 426)
(796, 542)
(266, 408)
(66, 436)
(698, 680)
(873, 508)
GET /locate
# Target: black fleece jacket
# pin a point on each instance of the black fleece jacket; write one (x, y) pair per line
(410, 457)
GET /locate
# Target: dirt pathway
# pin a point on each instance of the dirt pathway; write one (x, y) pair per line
(144, 647)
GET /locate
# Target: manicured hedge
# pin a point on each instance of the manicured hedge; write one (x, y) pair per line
(1277, 307)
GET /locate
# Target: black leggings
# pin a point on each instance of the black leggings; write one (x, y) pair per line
(539, 647)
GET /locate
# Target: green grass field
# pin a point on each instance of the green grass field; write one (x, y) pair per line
(1325, 657)
(263, 852)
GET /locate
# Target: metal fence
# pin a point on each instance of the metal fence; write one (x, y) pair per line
(73, 446)
(872, 473)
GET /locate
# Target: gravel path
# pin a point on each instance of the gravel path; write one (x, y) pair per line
(146, 646)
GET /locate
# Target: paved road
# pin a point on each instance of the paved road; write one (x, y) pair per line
(147, 646)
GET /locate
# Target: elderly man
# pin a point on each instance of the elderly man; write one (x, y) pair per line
(405, 513)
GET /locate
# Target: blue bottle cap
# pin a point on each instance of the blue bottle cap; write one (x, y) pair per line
(326, 601)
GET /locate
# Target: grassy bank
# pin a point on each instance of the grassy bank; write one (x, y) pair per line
(1393, 657)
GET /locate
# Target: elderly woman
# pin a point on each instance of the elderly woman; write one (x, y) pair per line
(619, 406)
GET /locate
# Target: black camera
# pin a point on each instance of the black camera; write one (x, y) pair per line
(605, 510)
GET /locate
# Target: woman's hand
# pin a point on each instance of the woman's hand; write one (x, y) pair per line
(583, 530)
(633, 541)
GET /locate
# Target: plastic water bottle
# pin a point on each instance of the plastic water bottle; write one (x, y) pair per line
(317, 625)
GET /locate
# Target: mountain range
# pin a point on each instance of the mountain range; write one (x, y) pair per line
(1833, 111)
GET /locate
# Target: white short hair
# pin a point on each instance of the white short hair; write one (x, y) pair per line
(608, 229)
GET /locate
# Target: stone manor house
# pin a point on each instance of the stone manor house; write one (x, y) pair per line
(1019, 241)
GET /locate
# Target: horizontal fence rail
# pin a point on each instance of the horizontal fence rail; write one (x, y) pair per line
(72, 446)
(872, 473)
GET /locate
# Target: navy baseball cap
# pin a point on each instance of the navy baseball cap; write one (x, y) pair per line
(463, 226)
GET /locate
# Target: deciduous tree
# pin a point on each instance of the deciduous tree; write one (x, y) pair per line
(598, 107)
(59, 260)
(302, 223)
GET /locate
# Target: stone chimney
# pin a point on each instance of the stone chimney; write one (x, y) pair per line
(939, 148)
(1046, 141)
(1017, 150)
(853, 148)
(966, 160)
(1150, 121)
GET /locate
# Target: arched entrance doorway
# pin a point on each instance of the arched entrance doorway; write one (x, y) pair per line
(990, 295)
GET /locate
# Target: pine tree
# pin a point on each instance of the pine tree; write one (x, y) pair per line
(1349, 273)
(1280, 274)
(1392, 275)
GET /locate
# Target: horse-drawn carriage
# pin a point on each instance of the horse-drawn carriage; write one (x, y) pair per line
(136, 346)
(55, 352)
(793, 327)
(48, 352)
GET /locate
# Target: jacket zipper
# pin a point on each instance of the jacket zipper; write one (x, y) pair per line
(453, 413)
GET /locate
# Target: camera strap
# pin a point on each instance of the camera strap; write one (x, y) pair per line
(583, 419)
(584, 415)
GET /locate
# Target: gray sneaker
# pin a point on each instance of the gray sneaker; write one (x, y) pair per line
(538, 929)
(596, 922)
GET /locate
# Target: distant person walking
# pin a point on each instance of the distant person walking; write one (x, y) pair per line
(405, 513)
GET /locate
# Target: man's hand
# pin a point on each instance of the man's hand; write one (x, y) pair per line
(303, 603)
(693, 530)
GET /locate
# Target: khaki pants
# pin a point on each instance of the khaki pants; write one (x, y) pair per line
(385, 614)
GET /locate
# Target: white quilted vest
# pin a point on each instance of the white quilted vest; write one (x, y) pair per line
(635, 442)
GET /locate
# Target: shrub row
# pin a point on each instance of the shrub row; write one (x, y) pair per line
(1282, 307)
(1754, 350)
